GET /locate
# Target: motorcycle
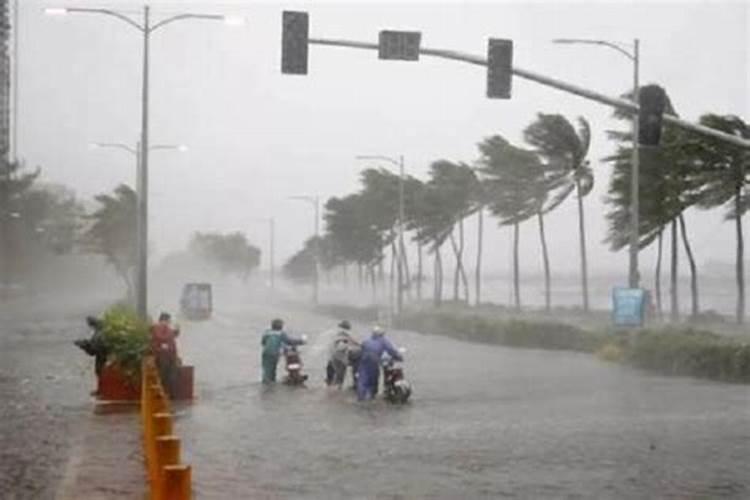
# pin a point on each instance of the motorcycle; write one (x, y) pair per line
(396, 389)
(294, 375)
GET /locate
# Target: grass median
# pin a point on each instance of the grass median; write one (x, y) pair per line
(670, 350)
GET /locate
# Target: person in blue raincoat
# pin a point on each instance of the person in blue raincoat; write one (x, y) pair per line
(369, 363)
(273, 341)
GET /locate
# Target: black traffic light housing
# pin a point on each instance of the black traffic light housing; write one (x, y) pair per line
(294, 35)
(399, 45)
(652, 101)
(499, 68)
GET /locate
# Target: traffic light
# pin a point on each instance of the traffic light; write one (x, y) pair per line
(651, 103)
(294, 34)
(400, 45)
(499, 68)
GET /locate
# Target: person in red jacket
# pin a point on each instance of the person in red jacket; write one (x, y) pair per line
(164, 349)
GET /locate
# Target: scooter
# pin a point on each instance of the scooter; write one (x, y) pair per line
(294, 375)
(396, 389)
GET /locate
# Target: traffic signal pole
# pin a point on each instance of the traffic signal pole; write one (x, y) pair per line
(633, 274)
(625, 105)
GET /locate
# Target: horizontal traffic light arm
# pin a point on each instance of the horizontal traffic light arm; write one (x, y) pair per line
(623, 104)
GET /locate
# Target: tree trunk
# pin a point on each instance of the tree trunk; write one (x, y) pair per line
(464, 278)
(516, 271)
(457, 270)
(128, 277)
(695, 309)
(392, 283)
(545, 260)
(405, 271)
(381, 269)
(582, 238)
(674, 313)
(478, 270)
(359, 274)
(657, 278)
(459, 273)
(373, 281)
(438, 299)
(740, 256)
(419, 271)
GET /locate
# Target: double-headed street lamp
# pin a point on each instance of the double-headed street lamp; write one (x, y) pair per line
(400, 254)
(315, 202)
(632, 52)
(146, 28)
(136, 151)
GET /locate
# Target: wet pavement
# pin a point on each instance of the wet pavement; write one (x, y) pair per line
(52, 444)
(484, 422)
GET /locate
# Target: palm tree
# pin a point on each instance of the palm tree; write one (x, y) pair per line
(457, 184)
(432, 223)
(564, 150)
(513, 179)
(481, 200)
(112, 232)
(724, 171)
(352, 234)
(670, 178)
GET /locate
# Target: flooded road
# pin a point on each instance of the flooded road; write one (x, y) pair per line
(485, 421)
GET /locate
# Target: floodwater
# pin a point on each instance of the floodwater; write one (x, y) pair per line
(484, 421)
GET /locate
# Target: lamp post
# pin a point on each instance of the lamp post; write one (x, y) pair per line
(146, 28)
(400, 254)
(315, 202)
(634, 55)
(271, 241)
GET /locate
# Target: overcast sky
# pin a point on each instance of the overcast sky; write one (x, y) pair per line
(257, 137)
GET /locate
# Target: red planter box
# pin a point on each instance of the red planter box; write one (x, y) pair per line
(113, 385)
(184, 382)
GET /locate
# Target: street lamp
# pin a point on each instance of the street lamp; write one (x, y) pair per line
(401, 253)
(271, 240)
(634, 55)
(315, 202)
(146, 28)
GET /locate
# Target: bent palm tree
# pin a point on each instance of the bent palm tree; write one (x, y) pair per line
(513, 182)
(564, 150)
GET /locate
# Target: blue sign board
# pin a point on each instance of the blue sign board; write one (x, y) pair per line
(628, 306)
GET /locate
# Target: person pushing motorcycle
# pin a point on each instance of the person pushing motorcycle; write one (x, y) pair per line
(340, 355)
(369, 364)
(273, 341)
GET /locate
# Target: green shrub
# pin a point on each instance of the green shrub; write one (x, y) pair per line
(126, 338)
(691, 352)
(513, 332)
(672, 350)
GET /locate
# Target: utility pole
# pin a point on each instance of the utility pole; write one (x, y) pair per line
(6, 157)
(634, 275)
(141, 294)
(272, 238)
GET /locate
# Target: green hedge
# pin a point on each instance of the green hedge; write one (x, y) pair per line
(691, 352)
(510, 332)
(673, 350)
